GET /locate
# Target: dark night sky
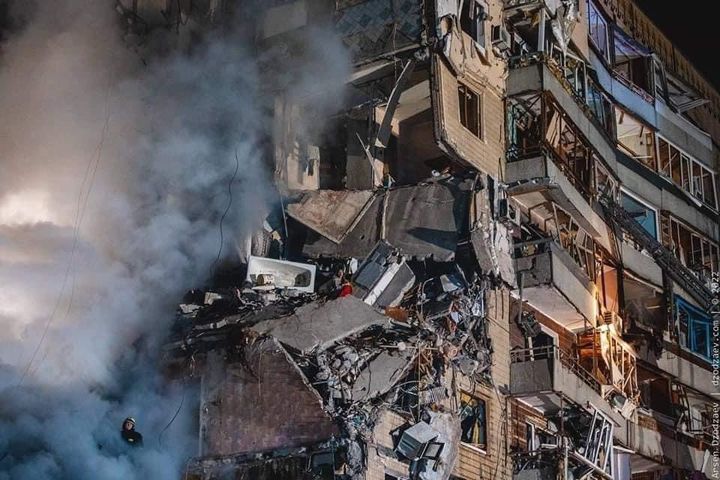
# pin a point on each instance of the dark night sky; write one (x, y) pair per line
(693, 27)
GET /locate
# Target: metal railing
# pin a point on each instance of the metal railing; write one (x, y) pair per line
(534, 58)
(552, 352)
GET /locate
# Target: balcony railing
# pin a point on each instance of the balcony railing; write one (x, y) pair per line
(583, 90)
(556, 354)
(540, 126)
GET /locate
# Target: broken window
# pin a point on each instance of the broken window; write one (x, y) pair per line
(472, 22)
(633, 64)
(635, 138)
(686, 172)
(694, 250)
(598, 30)
(655, 393)
(570, 148)
(695, 328)
(643, 307)
(524, 126)
(573, 69)
(611, 360)
(538, 437)
(574, 239)
(605, 182)
(473, 420)
(645, 215)
(470, 110)
(600, 106)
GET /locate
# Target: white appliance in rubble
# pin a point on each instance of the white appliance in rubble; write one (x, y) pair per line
(269, 274)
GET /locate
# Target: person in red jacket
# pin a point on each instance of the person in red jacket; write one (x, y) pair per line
(345, 289)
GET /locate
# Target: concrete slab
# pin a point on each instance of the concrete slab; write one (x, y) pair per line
(319, 325)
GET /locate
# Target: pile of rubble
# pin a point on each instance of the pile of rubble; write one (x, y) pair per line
(360, 336)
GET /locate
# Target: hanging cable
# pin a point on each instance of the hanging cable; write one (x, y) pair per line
(227, 209)
(177, 412)
(89, 179)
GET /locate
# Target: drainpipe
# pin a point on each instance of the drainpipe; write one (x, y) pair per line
(541, 30)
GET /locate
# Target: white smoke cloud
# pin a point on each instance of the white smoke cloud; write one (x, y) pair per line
(113, 179)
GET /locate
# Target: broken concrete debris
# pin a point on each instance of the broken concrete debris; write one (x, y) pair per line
(285, 364)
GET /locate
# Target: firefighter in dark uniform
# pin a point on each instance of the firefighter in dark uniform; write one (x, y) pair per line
(129, 434)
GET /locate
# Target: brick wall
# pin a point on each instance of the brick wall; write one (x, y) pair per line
(485, 154)
(377, 462)
(493, 462)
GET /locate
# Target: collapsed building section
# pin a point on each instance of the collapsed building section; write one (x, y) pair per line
(291, 380)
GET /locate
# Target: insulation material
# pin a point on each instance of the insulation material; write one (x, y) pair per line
(563, 24)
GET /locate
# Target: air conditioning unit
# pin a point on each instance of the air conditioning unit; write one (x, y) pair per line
(418, 441)
(500, 38)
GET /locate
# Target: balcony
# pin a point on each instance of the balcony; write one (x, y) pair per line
(546, 378)
(552, 282)
(512, 5)
(538, 180)
(584, 104)
(653, 441)
(551, 160)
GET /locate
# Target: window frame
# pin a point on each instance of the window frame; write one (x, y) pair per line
(687, 172)
(708, 246)
(687, 339)
(481, 447)
(463, 91)
(651, 161)
(476, 23)
(648, 205)
(533, 438)
(595, 12)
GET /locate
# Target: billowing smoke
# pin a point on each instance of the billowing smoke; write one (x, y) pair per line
(114, 177)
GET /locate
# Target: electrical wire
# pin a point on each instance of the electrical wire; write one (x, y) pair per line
(177, 412)
(227, 209)
(88, 179)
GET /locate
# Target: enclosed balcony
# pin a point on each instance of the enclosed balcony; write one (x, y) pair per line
(655, 445)
(547, 378)
(565, 80)
(550, 160)
(554, 282)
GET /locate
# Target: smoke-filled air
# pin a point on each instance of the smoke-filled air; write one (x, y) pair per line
(115, 166)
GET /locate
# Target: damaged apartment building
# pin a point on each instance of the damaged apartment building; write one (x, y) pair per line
(495, 259)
